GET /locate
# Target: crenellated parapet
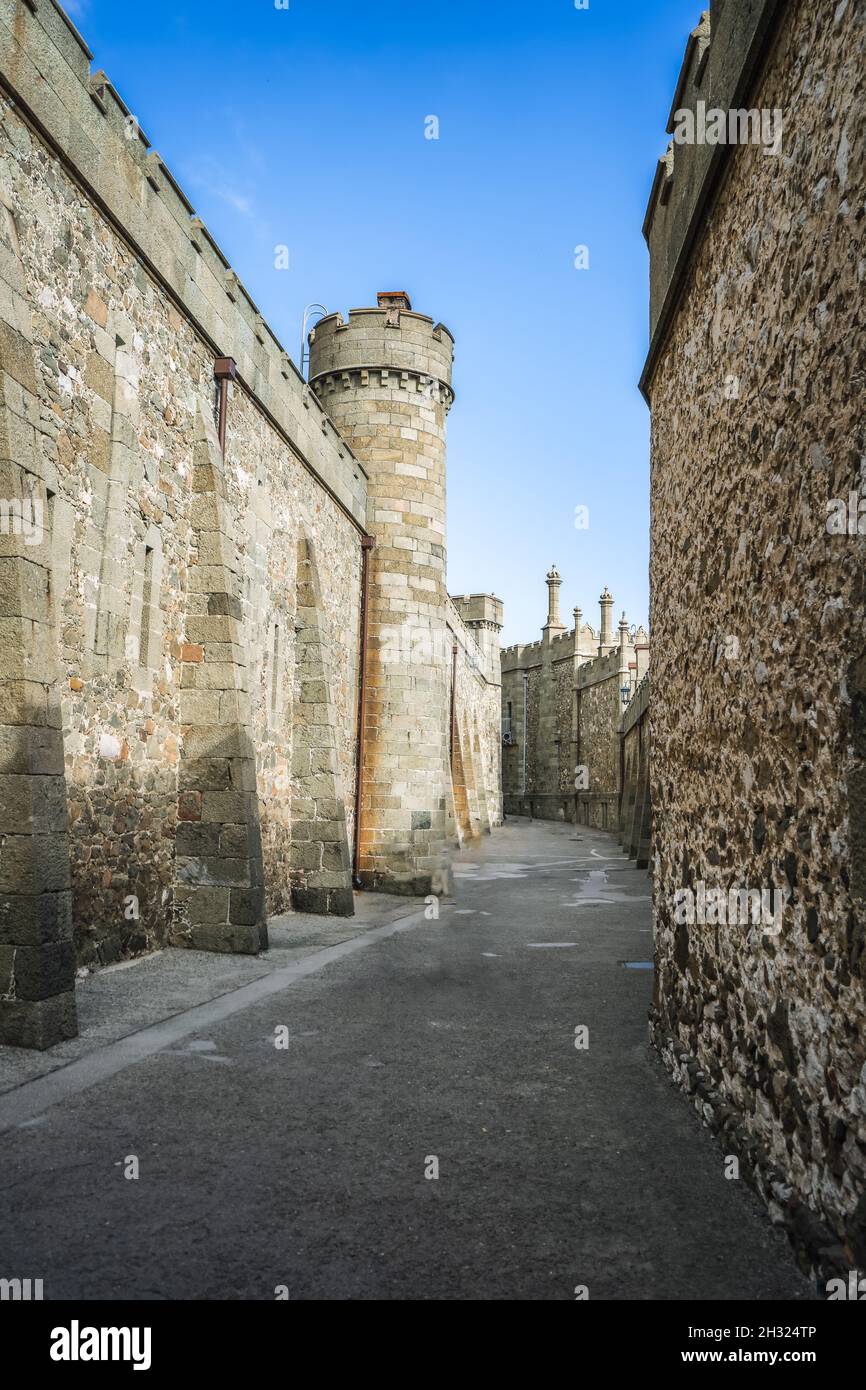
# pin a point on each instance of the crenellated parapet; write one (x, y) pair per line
(401, 348)
(521, 656)
(385, 379)
(599, 668)
(478, 618)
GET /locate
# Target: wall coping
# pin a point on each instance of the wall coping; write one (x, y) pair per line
(724, 62)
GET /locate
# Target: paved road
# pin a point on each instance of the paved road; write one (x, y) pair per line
(452, 1039)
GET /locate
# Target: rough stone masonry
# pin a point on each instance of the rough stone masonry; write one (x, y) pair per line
(231, 678)
(758, 715)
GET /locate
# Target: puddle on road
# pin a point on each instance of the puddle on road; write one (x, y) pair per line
(595, 890)
(479, 872)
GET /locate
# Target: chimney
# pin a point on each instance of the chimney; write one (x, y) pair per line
(554, 584)
(605, 639)
(623, 645)
(393, 299)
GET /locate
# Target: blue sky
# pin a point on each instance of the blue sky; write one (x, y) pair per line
(305, 127)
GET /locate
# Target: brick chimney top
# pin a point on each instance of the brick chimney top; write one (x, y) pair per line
(394, 299)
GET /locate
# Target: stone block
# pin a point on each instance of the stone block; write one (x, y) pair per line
(247, 906)
(200, 905)
(16, 354)
(204, 774)
(213, 871)
(33, 864)
(236, 841)
(335, 858)
(333, 902)
(43, 970)
(32, 805)
(29, 920)
(23, 589)
(38, 1024)
(231, 808)
(216, 741)
(196, 840)
(227, 938)
(305, 856)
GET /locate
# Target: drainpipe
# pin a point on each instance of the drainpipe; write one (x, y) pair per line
(621, 777)
(225, 369)
(367, 544)
(525, 699)
(578, 760)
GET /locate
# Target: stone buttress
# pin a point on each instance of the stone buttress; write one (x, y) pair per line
(219, 893)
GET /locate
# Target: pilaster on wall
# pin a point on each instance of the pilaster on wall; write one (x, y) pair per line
(37, 954)
(219, 894)
(321, 865)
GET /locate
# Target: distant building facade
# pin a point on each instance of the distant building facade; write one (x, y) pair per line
(563, 699)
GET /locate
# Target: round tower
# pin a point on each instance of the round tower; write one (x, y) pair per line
(384, 377)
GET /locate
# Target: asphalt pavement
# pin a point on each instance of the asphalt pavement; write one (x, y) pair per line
(398, 1107)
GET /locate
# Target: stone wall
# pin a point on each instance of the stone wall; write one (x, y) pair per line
(755, 379)
(199, 607)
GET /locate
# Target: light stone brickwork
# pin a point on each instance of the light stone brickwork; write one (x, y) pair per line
(574, 704)
(384, 376)
(474, 622)
(758, 714)
(180, 732)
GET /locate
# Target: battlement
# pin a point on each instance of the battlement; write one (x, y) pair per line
(388, 336)
(599, 668)
(561, 646)
(721, 70)
(465, 638)
(480, 608)
(521, 655)
(46, 72)
(382, 379)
